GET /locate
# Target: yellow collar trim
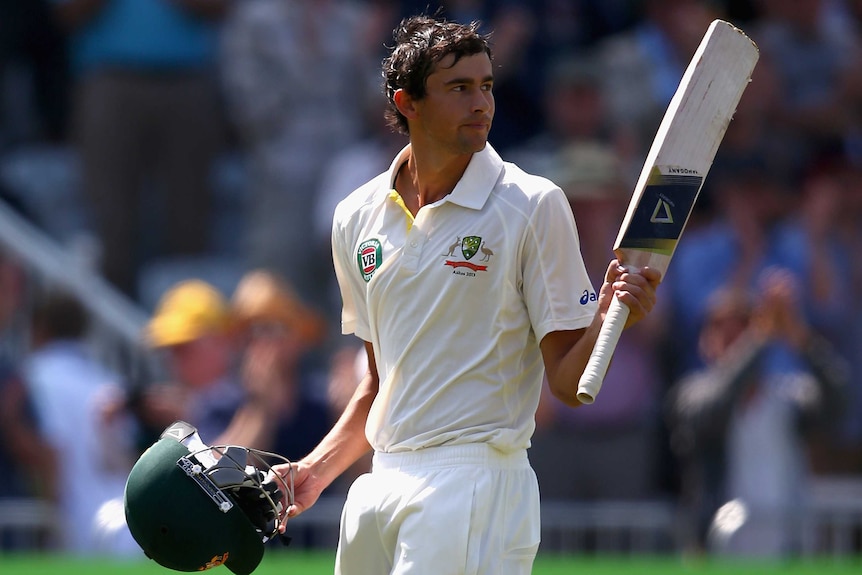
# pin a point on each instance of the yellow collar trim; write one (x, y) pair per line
(396, 197)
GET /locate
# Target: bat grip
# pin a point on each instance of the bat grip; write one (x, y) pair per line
(594, 373)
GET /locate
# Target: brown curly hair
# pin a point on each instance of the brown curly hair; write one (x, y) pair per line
(420, 43)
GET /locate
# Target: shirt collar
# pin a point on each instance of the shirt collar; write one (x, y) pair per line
(475, 185)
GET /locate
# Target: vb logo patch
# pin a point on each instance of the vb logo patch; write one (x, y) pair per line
(369, 256)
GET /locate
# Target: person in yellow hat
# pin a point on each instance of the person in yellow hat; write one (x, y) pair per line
(191, 310)
(193, 326)
(279, 333)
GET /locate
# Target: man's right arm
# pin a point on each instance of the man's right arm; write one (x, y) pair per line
(342, 446)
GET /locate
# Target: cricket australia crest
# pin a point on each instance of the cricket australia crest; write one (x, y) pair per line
(470, 246)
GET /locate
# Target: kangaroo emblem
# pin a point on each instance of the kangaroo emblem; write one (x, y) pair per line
(453, 247)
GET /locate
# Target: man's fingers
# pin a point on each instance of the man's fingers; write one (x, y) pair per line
(637, 291)
(653, 276)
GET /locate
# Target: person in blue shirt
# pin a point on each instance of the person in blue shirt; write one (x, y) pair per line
(146, 121)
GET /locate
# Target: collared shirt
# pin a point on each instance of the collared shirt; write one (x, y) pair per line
(456, 301)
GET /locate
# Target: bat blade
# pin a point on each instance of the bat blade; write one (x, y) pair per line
(674, 172)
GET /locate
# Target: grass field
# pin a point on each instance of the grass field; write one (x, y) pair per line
(305, 563)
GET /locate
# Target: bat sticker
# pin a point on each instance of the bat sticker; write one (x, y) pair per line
(662, 212)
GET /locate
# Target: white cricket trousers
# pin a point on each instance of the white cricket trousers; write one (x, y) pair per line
(450, 510)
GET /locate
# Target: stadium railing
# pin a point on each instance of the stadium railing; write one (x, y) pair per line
(118, 321)
(27, 524)
(835, 518)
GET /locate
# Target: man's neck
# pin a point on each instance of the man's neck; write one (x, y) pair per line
(427, 178)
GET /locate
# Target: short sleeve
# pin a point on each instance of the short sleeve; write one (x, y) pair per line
(557, 289)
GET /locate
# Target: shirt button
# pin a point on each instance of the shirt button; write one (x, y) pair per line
(414, 243)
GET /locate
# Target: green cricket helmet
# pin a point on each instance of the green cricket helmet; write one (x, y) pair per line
(192, 507)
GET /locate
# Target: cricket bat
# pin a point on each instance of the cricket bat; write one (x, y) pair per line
(674, 171)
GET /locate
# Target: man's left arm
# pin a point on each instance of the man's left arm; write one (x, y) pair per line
(566, 353)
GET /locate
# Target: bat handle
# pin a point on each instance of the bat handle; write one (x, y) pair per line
(594, 373)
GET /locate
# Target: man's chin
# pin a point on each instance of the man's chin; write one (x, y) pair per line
(475, 145)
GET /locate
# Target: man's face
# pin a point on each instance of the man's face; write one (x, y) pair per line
(458, 108)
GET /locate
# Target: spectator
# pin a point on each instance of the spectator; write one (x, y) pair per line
(279, 331)
(147, 124)
(296, 76)
(194, 328)
(740, 430)
(72, 393)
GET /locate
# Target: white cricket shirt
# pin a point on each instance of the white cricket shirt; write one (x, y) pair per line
(456, 301)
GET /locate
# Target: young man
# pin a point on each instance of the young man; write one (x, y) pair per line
(462, 275)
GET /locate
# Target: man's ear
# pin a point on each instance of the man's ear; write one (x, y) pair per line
(404, 103)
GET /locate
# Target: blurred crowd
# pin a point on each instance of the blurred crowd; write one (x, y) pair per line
(740, 388)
